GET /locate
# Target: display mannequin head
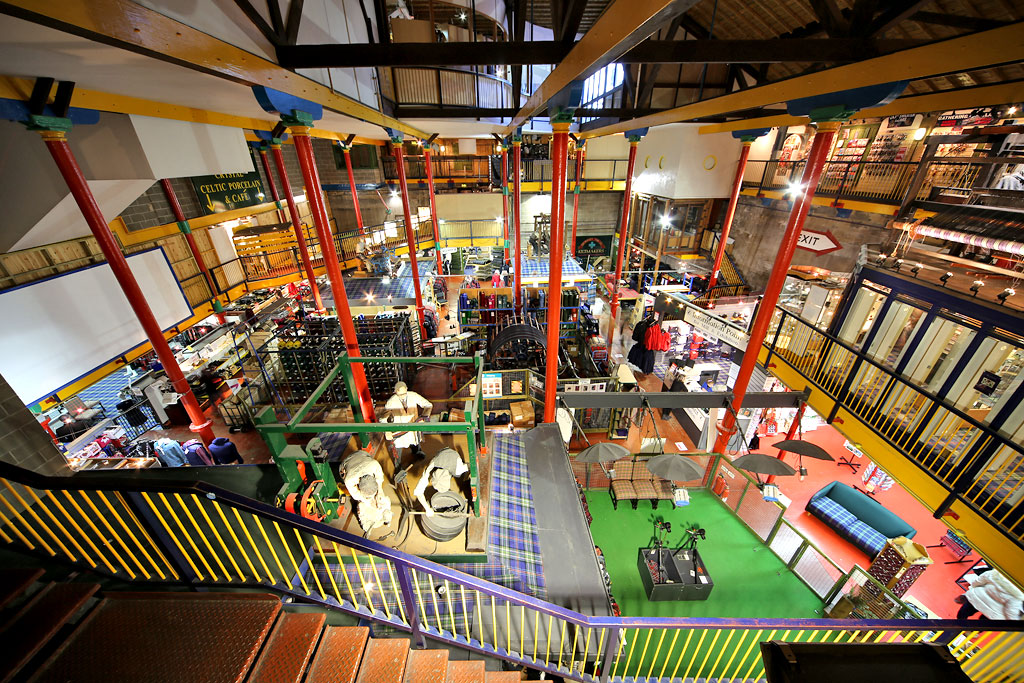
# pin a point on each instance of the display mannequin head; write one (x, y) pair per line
(401, 389)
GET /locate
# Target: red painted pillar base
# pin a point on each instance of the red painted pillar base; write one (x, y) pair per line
(307, 262)
(766, 309)
(304, 149)
(559, 153)
(57, 144)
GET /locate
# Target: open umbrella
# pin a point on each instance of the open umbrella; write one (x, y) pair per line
(805, 449)
(601, 453)
(759, 463)
(675, 467)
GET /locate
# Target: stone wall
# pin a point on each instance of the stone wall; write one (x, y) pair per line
(24, 442)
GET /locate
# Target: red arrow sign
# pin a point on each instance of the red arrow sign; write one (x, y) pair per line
(818, 242)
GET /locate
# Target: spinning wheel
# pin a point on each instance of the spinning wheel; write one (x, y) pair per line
(520, 343)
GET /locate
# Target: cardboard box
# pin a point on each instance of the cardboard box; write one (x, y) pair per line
(523, 413)
(456, 415)
(340, 416)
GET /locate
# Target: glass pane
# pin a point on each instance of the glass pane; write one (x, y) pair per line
(894, 332)
(936, 354)
(861, 316)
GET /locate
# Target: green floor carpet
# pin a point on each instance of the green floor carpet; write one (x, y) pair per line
(750, 581)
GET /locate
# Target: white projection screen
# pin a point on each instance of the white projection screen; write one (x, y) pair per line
(57, 330)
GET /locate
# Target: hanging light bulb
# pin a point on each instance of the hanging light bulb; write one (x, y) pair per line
(803, 472)
(1005, 294)
(916, 269)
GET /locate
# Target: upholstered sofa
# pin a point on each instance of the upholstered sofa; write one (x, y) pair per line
(857, 517)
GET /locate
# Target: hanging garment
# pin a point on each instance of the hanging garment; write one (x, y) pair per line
(134, 416)
(170, 453)
(225, 452)
(196, 454)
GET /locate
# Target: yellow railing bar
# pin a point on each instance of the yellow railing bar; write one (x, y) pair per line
(735, 650)
(437, 609)
(131, 534)
(195, 527)
(629, 655)
(494, 624)
(758, 662)
(17, 533)
(113, 549)
(327, 568)
(575, 640)
(643, 654)
(668, 655)
(39, 521)
(344, 572)
(309, 563)
(547, 648)
(508, 625)
(220, 539)
(978, 668)
(234, 537)
(753, 641)
(561, 642)
(536, 633)
(57, 523)
(380, 589)
(657, 651)
(181, 526)
(522, 630)
(423, 607)
(362, 581)
(960, 650)
(451, 609)
(255, 550)
(480, 621)
(600, 645)
(291, 558)
(711, 648)
(618, 654)
(14, 511)
(398, 594)
(167, 528)
(586, 648)
(96, 531)
(703, 634)
(270, 546)
(465, 613)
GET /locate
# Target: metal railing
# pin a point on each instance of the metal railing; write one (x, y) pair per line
(594, 171)
(447, 169)
(196, 534)
(971, 460)
(441, 87)
(884, 181)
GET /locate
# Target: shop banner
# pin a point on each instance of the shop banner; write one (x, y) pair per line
(228, 191)
(593, 246)
(714, 328)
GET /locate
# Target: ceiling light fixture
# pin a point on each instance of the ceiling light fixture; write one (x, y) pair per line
(978, 284)
(1005, 294)
(945, 278)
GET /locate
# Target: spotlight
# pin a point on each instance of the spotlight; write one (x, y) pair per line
(916, 269)
(462, 16)
(770, 493)
(369, 298)
(880, 259)
(665, 220)
(795, 189)
(803, 472)
(898, 265)
(1005, 294)
(390, 298)
(386, 280)
(394, 193)
(978, 284)
(945, 278)
(1012, 110)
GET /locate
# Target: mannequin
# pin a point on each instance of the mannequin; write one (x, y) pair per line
(1014, 180)
(440, 474)
(364, 480)
(404, 407)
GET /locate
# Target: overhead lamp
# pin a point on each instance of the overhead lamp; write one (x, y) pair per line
(803, 472)
(916, 269)
(945, 278)
(394, 193)
(1005, 294)
(770, 492)
(386, 280)
(665, 220)
(1012, 110)
(369, 298)
(880, 259)
(976, 285)
(898, 265)
(462, 16)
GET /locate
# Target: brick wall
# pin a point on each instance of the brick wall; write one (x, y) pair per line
(24, 443)
(152, 208)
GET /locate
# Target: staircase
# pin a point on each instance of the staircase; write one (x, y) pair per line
(72, 632)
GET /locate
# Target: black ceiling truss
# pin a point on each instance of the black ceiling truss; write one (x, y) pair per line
(277, 32)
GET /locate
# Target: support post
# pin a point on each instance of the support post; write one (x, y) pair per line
(581, 153)
(53, 132)
(304, 148)
(790, 435)
(730, 211)
(433, 207)
(186, 230)
(504, 198)
(346, 151)
(623, 232)
(286, 185)
(812, 172)
(271, 185)
(559, 160)
(517, 148)
(410, 234)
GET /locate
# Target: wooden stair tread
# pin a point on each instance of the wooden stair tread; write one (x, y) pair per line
(14, 582)
(384, 661)
(289, 648)
(465, 672)
(337, 659)
(503, 677)
(426, 666)
(39, 620)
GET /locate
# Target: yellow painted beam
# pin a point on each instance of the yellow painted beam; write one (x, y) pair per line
(981, 533)
(621, 21)
(984, 96)
(979, 50)
(854, 204)
(131, 26)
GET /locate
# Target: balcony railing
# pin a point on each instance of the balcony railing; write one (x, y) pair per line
(440, 87)
(975, 463)
(888, 182)
(447, 169)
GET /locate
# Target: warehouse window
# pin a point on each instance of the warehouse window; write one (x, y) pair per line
(603, 89)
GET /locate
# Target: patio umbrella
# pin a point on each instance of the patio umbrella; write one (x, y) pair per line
(675, 467)
(759, 463)
(805, 449)
(601, 453)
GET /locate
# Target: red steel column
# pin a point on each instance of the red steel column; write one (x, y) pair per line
(410, 235)
(517, 148)
(626, 201)
(57, 143)
(307, 263)
(802, 204)
(433, 208)
(352, 186)
(304, 149)
(730, 212)
(504, 198)
(559, 152)
(186, 230)
(581, 153)
(271, 185)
